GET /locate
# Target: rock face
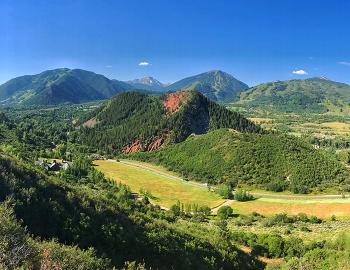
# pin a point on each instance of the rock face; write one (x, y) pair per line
(173, 101)
(133, 147)
(137, 146)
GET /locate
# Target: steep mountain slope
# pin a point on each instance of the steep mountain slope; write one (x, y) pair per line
(133, 121)
(59, 86)
(271, 161)
(147, 83)
(216, 85)
(318, 95)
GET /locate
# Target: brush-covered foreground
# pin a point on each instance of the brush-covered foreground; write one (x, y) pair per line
(81, 208)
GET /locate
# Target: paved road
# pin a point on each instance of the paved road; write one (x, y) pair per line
(255, 194)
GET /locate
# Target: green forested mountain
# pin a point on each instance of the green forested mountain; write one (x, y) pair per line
(59, 86)
(133, 121)
(81, 208)
(318, 95)
(216, 85)
(271, 161)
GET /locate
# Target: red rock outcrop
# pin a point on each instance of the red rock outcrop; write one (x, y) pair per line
(132, 148)
(173, 101)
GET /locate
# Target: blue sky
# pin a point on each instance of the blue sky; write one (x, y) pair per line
(256, 41)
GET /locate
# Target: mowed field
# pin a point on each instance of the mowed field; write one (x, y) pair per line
(166, 191)
(324, 208)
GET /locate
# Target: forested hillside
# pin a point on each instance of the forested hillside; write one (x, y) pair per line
(80, 207)
(270, 161)
(317, 95)
(132, 121)
(59, 86)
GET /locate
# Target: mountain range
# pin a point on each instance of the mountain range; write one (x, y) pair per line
(77, 86)
(317, 95)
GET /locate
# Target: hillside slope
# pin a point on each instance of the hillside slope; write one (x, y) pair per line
(216, 85)
(59, 86)
(270, 161)
(87, 211)
(132, 121)
(318, 95)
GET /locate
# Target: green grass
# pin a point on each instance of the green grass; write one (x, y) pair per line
(167, 191)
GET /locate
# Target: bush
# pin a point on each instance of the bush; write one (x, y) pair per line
(315, 220)
(243, 196)
(224, 191)
(225, 212)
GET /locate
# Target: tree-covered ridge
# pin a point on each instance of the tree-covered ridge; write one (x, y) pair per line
(82, 208)
(318, 95)
(216, 85)
(271, 161)
(59, 86)
(142, 120)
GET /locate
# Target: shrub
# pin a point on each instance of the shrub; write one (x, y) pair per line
(315, 220)
(225, 212)
(243, 196)
(224, 191)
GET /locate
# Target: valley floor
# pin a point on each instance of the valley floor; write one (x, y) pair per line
(167, 188)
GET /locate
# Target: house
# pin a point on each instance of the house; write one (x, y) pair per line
(53, 166)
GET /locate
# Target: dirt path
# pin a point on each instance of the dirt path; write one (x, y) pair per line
(226, 203)
(258, 195)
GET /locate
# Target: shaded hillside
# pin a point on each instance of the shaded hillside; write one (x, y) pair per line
(216, 85)
(271, 161)
(59, 86)
(132, 121)
(86, 210)
(318, 95)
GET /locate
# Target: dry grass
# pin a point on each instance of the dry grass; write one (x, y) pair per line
(324, 208)
(260, 119)
(167, 191)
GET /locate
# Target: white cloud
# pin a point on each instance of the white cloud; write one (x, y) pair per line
(344, 63)
(144, 64)
(300, 72)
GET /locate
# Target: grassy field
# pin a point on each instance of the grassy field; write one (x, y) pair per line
(166, 191)
(324, 208)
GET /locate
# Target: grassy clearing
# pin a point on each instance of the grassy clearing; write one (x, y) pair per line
(323, 208)
(260, 119)
(166, 191)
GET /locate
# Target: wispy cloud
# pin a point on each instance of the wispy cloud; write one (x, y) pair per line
(344, 63)
(144, 64)
(109, 66)
(299, 72)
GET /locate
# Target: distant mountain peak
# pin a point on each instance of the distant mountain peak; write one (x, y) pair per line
(215, 84)
(148, 80)
(147, 83)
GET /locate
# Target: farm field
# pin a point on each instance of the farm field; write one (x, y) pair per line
(165, 190)
(323, 208)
